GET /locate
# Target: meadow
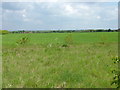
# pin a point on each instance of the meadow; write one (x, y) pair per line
(56, 60)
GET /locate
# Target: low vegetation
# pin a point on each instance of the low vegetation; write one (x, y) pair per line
(59, 60)
(22, 41)
(116, 72)
(4, 32)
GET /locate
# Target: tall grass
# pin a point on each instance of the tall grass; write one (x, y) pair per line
(43, 63)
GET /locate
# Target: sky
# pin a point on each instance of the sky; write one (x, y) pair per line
(59, 15)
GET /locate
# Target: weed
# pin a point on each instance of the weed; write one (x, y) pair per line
(22, 41)
(61, 85)
(65, 45)
(68, 41)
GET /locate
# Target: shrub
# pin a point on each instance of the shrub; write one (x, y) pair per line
(23, 40)
(4, 32)
(68, 41)
(64, 45)
(116, 78)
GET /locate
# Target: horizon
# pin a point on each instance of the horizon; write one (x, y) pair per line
(62, 29)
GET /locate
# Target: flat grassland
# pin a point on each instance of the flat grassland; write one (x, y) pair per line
(47, 60)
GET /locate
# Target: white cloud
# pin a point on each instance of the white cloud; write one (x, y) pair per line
(98, 17)
(24, 15)
(69, 10)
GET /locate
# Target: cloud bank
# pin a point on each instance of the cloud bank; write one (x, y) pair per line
(59, 15)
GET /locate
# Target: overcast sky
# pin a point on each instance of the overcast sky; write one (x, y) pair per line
(59, 15)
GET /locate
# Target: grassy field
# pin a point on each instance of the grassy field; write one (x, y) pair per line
(46, 62)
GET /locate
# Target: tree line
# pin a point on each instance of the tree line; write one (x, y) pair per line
(57, 31)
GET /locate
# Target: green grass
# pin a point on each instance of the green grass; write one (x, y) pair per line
(0, 61)
(44, 63)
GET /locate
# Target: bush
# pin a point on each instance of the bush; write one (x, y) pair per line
(116, 72)
(4, 32)
(23, 40)
(69, 39)
(64, 45)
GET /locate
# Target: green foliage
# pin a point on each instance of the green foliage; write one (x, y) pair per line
(116, 72)
(65, 45)
(22, 41)
(4, 32)
(69, 39)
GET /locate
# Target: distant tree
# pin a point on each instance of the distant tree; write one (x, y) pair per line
(23, 31)
(109, 30)
(4, 32)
